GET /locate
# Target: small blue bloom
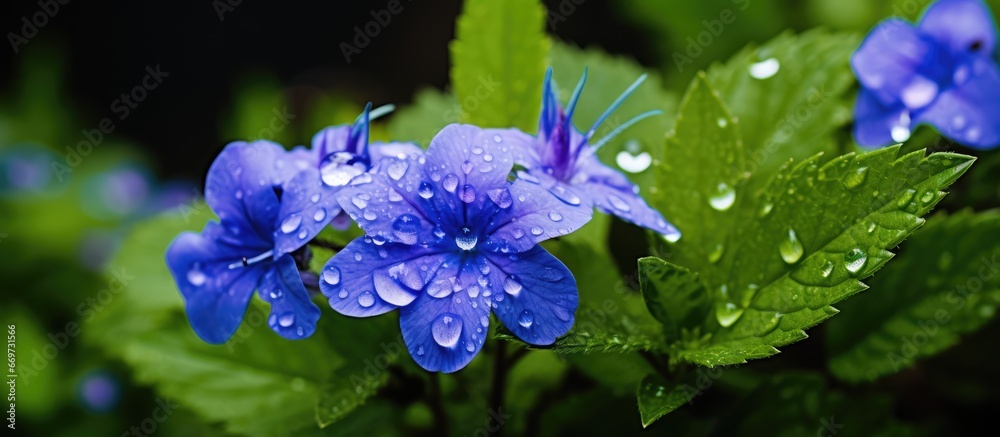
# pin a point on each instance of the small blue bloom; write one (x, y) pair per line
(940, 72)
(218, 270)
(561, 159)
(338, 155)
(449, 239)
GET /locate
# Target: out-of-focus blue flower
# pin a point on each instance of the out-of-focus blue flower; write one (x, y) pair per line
(940, 72)
(448, 238)
(218, 270)
(100, 391)
(561, 159)
(338, 155)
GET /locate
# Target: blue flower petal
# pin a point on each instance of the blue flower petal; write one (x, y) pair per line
(307, 206)
(535, 215)
(445, 334)
(293, 314)
(612, 193)
(394, 203)
(965, 26)
(536, 295)
(380, 151)
(361, 279)
(335, 139)
(240, 190)
(889, 58)
(524, 148)
(970, 112)
(215, 296)
(874, 122)
(464, 163)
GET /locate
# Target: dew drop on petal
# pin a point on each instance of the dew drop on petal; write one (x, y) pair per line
(196, 277)
(466, 239)
(397, 170)
(426, 190)
(405, 228)
(501, 197)
(468, 193)
(287, 319)
(446, 330)
(619, 203)
(319, 215)
(450, 183)
(331, 275)
(366, 299)
(526, 319)
(512, 285)
(291, 223)
(555, 216)
(314, 198)
(565, 195)
(359, 202)
(536, 231)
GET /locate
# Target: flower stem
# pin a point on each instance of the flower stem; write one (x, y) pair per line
(437, 405)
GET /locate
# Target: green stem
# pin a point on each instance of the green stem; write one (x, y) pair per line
(437, 405)
(499, 379)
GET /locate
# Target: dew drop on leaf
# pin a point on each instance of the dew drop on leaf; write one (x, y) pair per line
(790, 248)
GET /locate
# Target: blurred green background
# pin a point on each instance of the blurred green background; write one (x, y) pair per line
(277, 71)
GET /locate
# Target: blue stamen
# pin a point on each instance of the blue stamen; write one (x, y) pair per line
(246, 262)
(624, 126)
(607, 112)
(571, 106)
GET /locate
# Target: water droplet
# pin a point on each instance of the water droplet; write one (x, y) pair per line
(303, 234)
(526, 319)
(342, 294)
(469, 346)
(196, 277)
(619, 203)
(905, 198)
(727, 314)
(287, 319)
(239, 194)
(291, 223)
(790, 248)
(723, 197)
(446, 330)
(512, 285)
(555, 216)
(467, 167)
(331, 275)
(468, 193)
(391, 290)
(497, 139)
(466, 239)
(450, 183)
(397, 170)
(426, 190)
(765, 69)
(855, 260)
(633, 163)
(765, 209)
(359, 202)
(672, 237)
(501, 197)
(901, 131)
(339, 174)
(420, 350)
(927, 197)
(357, 256)
(716, 254)
(565, 195)
(721, 122)
(919, 92)
(314, 198)
(536, 231)
(370, 215)
(405, 228)
(827, 269)
(319, 215)
(366, 299)
(855, 178)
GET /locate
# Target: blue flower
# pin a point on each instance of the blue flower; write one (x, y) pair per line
(218, 270)
(940, 72)
(449, 239)
(561, 159)
(338, 155)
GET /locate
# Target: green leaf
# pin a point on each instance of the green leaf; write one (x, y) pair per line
(257, 383)
(795, 112)
(498, 62)
(925, 302)
(657, 397)
(431, 111)
(674, 295)
(775, 263)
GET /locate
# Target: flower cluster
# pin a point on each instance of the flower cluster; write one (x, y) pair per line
(940, 72)
(451, 233)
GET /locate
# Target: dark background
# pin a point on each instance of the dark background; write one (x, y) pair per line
(106, 46)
